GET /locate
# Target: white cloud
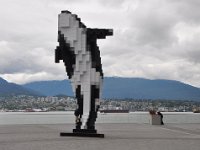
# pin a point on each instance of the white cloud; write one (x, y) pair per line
(22, 78)
(152, 38)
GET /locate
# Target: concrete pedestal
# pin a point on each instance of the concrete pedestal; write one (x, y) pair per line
(83, 133)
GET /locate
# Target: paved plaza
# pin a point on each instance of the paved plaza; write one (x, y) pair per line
(117, 137)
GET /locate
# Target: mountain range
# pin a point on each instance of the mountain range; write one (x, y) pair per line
(120, 88)
(9, 89)
(113, 87)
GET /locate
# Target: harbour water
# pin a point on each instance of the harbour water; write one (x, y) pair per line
(9, 118)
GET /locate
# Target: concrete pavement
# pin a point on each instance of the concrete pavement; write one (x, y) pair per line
(117, 137)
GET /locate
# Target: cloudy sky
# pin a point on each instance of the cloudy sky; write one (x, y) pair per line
(154, 39)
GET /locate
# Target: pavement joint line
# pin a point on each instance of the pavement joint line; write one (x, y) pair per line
(178, 131)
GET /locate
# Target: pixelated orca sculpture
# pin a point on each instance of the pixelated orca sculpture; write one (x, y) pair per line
(79, 51)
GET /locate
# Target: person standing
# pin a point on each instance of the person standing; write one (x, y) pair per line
(161, 116)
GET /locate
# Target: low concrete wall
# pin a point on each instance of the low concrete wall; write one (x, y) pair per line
(155, 119)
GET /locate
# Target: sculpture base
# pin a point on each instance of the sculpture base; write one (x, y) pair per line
(83, 133)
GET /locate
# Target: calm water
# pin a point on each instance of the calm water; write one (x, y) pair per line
(68, 117)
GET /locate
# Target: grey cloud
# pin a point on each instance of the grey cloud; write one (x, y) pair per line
(187, 10)
(111, 3)
(191, 52)
(153, 24)
(148, 40)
